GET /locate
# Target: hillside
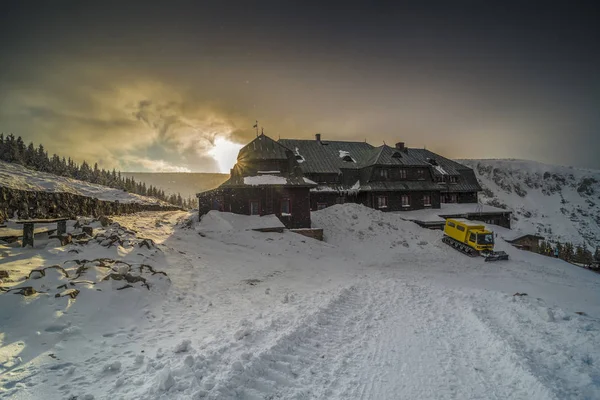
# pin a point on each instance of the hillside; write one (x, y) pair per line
(382, 309)
(185, 183)
(15, 176)
(559, 203)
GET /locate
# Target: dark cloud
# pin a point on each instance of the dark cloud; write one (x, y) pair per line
(146, 87)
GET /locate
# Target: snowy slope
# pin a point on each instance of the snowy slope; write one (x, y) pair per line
(382, 309)
(16, 176)
(559, 203)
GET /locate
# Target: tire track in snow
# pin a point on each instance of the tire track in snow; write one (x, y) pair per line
(311, 360)
(432, 347)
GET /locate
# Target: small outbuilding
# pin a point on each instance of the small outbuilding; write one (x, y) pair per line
(526, 242)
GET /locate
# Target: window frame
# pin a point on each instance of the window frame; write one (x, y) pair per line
(283, 201)
(420, 174)
(384, 173)
(407, 197)
(379, 206)
(250, 206)
(427, 204)
(402, 173)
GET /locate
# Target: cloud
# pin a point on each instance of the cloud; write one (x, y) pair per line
(129, 124)
(143, 164)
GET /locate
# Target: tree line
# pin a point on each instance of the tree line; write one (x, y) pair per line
(14, 150)
(570, 253)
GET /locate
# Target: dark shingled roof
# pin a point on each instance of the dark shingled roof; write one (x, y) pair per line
(263, 148)
(467, 181)
(386, 155)
(324, 156)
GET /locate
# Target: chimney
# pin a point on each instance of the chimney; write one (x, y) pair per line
(400, 146)
(318, 137)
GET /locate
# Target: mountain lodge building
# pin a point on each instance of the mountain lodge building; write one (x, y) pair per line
(290, 178)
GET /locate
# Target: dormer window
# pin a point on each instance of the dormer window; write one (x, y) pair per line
(396, 155)
(347, 159)
(420, 174)
(453, 179)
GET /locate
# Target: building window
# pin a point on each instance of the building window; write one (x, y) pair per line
(405, 200)
(321, 206)
(218, 203)
(453, 198)
(427, 200)
(382, 202)
(286, 207)
(254, 207)
(383, 173)
(340, 200)
(402, 173)
(420, 174)
(454, 179)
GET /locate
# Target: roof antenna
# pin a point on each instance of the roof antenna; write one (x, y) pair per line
(262, 130)
(256, 127)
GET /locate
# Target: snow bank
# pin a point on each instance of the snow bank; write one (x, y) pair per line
(15, 176)
(216, 221)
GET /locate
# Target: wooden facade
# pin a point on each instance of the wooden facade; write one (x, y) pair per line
(291, 178)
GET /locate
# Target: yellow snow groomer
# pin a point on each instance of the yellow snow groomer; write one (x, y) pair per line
(471, 239)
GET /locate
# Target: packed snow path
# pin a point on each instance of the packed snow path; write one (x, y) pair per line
(382, 310)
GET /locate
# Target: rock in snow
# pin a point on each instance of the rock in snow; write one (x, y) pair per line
(165, 380)
(183, 346)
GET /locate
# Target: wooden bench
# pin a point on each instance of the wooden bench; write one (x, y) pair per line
(28, 227)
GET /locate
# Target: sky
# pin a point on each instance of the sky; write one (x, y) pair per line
(177, 86)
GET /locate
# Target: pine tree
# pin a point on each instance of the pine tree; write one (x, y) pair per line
(568, 251)
(587, 257)
(19, 151)
(578, 256)
(29, 157)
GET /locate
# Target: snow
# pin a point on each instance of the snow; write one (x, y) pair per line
(433, 214)
(268, 172)
(299, 158)
(381, 309)
(344, 153)
(265, 180)
(215, 221)
(15, 176)
(440, 170)
(556, 202)
(310, 182)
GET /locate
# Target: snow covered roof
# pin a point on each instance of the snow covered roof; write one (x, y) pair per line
(268, 180)
(449, 209)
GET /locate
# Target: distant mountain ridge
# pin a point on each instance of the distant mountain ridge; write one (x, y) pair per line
(557, 202)
(185, 183)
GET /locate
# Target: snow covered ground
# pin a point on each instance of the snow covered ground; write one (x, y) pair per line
(382, 309)
(16, 176)
(559, 203)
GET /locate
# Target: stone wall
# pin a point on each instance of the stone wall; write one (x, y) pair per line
(29, 204)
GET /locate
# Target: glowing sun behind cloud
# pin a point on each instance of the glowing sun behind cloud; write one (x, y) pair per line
(225, 153)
